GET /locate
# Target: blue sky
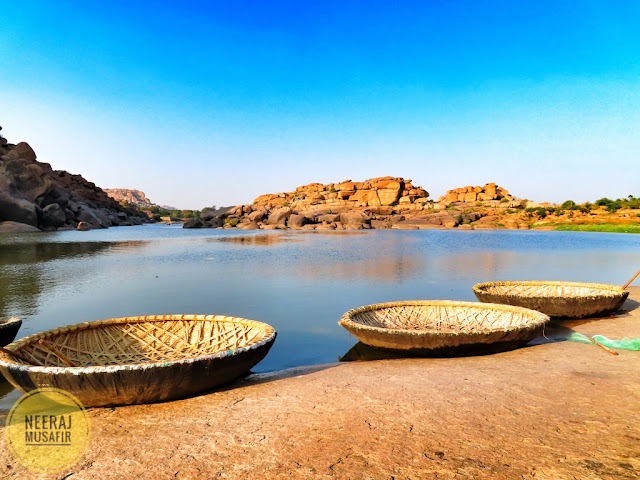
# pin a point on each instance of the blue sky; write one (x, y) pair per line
(201, 103)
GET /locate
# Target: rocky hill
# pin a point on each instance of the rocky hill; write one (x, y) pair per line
(132, 197)
(34, 197)
(372, 203)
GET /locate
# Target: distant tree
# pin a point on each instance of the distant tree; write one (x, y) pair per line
(604, 201)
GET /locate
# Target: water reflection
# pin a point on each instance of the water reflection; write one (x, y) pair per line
(472, 262)
(24, 266)
(254, 240)
(392, 269)
(28, 253)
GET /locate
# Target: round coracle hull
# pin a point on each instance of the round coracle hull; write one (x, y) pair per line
(556, 299)
(444, 328)
(129, 383)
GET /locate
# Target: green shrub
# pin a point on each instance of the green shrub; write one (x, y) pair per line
(614, 207)
(630, 202)
(541, 212)
(586, 208)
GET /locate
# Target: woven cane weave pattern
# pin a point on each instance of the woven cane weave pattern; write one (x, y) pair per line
(550, 289)
(440, 318)
(144, 342)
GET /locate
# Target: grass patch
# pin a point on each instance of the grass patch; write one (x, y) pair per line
(601, 227)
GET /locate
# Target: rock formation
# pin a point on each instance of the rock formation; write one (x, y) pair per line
(132, 197)
(33, 194)
(376, 192)
(490, 192)
(378, 203)
(347, 204)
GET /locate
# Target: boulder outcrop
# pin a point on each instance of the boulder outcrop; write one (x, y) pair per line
(377, 203)
(490, 192)
(375, 192)
(341, 205)
(32, 193)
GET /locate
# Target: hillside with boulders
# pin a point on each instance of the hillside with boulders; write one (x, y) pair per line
(396, 203)
(34, 196)
(383, 202)
(130, 196)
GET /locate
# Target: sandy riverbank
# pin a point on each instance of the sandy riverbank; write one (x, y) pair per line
(555, 410)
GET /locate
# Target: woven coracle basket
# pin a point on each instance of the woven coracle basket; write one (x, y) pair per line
(133, 360)
(556, 299)
(444, 327)
(8, 330)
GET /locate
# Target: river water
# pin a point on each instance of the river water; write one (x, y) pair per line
(299, 282)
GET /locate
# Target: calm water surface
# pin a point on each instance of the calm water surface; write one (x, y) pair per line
(299, 282)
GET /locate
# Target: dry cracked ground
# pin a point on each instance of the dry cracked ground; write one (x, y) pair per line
(555, 410)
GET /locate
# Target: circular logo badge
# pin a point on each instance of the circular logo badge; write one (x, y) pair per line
(48, 430)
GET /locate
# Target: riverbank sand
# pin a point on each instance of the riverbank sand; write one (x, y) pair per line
(555, 410)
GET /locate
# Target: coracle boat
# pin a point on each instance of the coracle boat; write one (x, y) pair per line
(134, 360)
(556, 299)
(443, 327)
(8, 330)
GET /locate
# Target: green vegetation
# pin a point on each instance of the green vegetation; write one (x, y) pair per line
(615, 205)
(570, 205)
(158, 212)
(231, 221)
(612, 205)
(601, 227)
(540, 212)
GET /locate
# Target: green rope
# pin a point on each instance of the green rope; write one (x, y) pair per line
(624, 344)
